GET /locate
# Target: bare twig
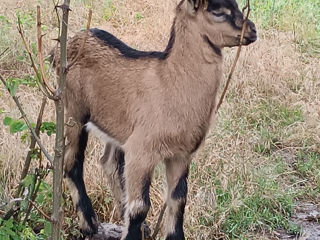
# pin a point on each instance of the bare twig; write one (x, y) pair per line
(60, 143)
(40, 211)
(83, 43)
(32, 146)
(33, 65)
(237, 55)
(24, 116)
(43, 74)
(58, 17)
(27, 162)
(4, 51)
(157, 228)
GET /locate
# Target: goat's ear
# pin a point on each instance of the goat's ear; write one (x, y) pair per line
(193, 6)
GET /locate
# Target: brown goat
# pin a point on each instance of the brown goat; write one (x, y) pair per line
(147, 107)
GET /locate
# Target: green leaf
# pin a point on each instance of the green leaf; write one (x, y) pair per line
(48, 127)
(17, 126)
(7, 121)
(27, 181)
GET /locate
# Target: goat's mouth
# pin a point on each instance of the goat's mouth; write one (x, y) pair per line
(248, 40)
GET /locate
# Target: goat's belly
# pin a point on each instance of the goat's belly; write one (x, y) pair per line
(100, 134)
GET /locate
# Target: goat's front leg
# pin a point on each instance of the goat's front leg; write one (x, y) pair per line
(177, 173)
(138, 174)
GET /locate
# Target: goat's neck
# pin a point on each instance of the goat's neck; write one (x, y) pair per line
(192, 56)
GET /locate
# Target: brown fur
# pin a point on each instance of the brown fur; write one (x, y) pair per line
(156, 109)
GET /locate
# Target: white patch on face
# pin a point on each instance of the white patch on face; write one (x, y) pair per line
(105, 138)
(226, 11)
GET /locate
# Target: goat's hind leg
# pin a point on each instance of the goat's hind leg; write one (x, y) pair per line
(112, 163)
(177, 173)
(74, 158)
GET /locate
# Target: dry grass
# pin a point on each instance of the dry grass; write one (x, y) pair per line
(270, 73)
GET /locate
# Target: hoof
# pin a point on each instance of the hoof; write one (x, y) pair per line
(88, 230)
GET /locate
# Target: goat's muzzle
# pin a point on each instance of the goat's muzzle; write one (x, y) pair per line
(250, 35)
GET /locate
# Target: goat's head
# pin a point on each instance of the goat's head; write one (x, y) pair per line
(220, 21)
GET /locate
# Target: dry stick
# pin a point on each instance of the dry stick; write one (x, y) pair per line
(27, 162)
(60, 143)
(33, 65)
(83, 42)
(24, 116)
(39, 36)
(58, 17)
(157, 228)
(237, 56)
(40, 211)
(4, 51)
(32, 146)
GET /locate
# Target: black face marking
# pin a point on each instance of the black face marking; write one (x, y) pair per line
(216, 4)
(214, 48)
(145, 190)
(129, 52)
(228, 4)
(76, 175)
(178, 230)
(181, 190)
(134, 230)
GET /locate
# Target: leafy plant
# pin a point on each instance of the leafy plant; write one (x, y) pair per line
(48, 127)
(15, 125)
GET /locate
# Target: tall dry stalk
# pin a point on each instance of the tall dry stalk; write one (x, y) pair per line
(59, 145)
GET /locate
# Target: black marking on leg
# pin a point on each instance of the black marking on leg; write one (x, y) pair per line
(107, 152)
(119, 157)
(178, 230)
(134, 230)
(146, 190)
(181, 190)
(76, 175)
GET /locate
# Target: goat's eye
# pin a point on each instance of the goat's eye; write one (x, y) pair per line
(219, 15)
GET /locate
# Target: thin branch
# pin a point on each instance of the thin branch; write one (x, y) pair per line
(60, 141)
(33, 65)
(83, 42)
(40, 211)
(237, 55)
(4, 51)
(43, 74)
(24, 116)
(157, 228)
(58, 17)
(32, 146)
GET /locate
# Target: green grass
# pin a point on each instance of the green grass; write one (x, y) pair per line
(300, 17)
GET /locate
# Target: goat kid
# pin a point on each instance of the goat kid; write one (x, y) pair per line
(147, 107)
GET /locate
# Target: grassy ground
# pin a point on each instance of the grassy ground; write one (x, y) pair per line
(262, 156)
